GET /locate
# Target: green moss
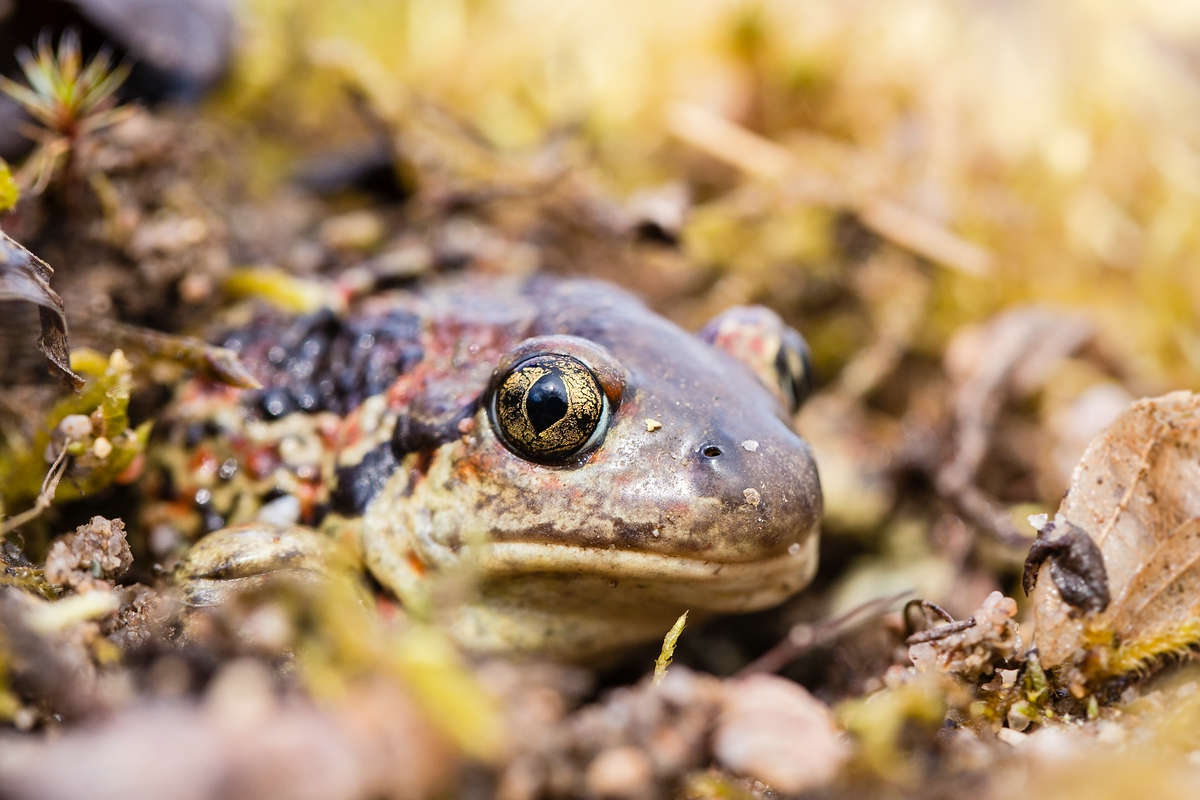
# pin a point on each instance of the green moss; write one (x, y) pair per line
(105, 398)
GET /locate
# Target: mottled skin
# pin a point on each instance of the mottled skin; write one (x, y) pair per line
(698, 496)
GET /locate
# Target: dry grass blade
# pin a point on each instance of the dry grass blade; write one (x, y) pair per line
(769, 161)
(218, 363)
(668, 649)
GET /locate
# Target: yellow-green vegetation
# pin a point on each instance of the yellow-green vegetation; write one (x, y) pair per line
(9, 703)
(278, 288)
(715, 786)
(99, 455)
(1110, 656)
(1030, 698)
(68, 98)
(29, 579)
(10, 193)
(348, 641)
(880, 720)
(668, 648)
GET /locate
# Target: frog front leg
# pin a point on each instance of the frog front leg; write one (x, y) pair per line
(243, 557)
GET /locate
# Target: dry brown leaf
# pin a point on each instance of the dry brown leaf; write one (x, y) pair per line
(1136, 494)
(24, 276)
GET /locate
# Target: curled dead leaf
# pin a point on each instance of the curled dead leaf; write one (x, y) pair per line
(24, 276)
(1134, 495)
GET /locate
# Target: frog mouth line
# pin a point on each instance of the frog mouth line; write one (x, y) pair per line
(517, 558)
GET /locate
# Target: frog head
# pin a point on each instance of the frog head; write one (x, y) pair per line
(613, 472)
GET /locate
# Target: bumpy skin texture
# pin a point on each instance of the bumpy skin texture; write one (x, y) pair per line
(712, 507)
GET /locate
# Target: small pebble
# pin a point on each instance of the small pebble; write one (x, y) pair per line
(195, 288)
(1009, 736)
(652, 425)
(773, 730)
(163, 539)
(752, 496)
(76, 426)
(620, 772)
(25, 718)
(750, 445)
(354, 231)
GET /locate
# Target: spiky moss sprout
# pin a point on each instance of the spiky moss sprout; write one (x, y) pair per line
(68, 98)
(1143, 654)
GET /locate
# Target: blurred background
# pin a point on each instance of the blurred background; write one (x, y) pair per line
(983, 215)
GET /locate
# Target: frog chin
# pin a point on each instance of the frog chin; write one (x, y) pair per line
(577, 603)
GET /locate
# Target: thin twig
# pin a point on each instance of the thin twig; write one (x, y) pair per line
(804, 637)
(941, 632)
(981, 510)
(925, 605)
(45, 497)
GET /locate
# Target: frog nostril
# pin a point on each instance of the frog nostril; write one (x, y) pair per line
(711, 451)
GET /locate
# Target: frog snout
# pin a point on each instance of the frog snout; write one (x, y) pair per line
(767, 485)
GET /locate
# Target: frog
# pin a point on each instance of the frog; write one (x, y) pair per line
(577, 469)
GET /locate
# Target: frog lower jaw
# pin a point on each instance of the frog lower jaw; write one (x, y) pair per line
(584, 604)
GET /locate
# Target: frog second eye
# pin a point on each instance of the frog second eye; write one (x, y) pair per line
(793, 364)
(776, 352)
(549, 409)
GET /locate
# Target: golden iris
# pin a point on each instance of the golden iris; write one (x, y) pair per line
(547, 408)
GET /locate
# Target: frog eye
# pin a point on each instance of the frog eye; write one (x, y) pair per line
(776, 352)
(793, 364)
(549, 409)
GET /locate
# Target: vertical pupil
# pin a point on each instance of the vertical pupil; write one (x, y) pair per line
(546, 402)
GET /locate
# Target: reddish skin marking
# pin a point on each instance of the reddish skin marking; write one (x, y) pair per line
(407, 388)
(350, 430)
(204, 463)
(417, 565)
(262, 462)
(469, 470)
(133, 471)
(307, 494)
(388, 611)
(329, 431)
